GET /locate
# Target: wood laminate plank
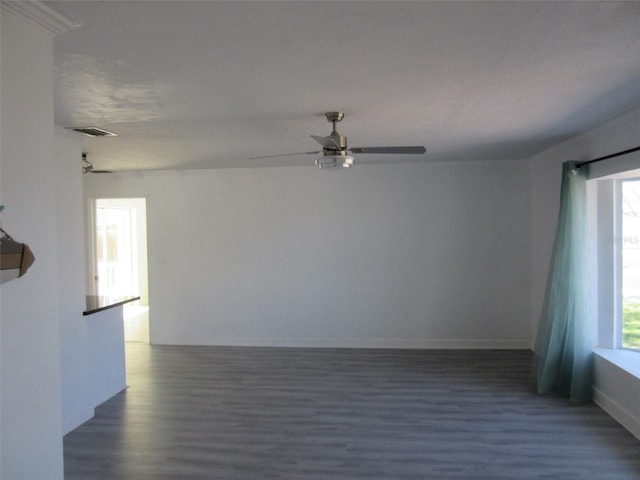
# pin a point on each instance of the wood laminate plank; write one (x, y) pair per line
(269, 413)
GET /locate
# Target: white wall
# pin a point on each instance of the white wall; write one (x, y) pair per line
(379, 256)
(77, 404)
(616, 391)
(30, 424)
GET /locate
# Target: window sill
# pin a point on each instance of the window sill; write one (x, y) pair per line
(627, 360)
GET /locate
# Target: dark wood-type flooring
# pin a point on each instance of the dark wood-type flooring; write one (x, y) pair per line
(268, 413)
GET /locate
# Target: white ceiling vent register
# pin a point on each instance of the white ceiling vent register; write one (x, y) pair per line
(93, 131)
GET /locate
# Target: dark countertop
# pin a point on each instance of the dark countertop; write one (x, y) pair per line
(96, 303)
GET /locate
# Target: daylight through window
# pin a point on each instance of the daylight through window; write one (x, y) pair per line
(630, 257)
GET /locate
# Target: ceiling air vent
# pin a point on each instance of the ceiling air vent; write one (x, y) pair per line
(94, 131)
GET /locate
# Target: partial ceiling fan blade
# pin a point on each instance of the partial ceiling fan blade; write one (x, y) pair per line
(417, 150)
(286, 155)
(326, 142)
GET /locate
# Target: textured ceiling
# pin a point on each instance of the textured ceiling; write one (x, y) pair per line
(208, 84)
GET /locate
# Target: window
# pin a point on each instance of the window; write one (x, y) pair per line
(118, 261)
(629, 214)
(614, 214)
(115, 256)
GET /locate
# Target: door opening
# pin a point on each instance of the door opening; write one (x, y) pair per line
(121, 259)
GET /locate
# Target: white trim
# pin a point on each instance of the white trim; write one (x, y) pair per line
(100, 397)
(619, 413)
(459, 344)
(90, 246)
(41, 16)
(627, 360)
(78, 418)
(617, 262)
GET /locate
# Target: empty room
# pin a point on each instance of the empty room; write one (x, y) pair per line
(320, 240)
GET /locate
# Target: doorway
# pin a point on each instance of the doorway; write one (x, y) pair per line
(120, 267)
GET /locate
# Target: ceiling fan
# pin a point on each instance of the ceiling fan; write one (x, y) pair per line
(336, 153)
(87, 166)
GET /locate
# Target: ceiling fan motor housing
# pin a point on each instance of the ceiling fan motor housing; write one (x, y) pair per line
(340, 140)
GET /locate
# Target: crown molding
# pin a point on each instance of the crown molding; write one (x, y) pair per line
(41, 16)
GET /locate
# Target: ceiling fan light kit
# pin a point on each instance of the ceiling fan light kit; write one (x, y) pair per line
(336, 153)
(340, 159)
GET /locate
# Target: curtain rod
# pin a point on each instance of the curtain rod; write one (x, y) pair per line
(607, 157)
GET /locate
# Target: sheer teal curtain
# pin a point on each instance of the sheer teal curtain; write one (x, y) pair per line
(563, 356)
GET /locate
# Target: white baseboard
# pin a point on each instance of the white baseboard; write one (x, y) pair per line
(71, 422)
(619, 413)
(454, 344)
(101, 396)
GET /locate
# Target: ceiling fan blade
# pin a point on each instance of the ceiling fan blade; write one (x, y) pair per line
(326, 142)
(399, 150)
(286, 155)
